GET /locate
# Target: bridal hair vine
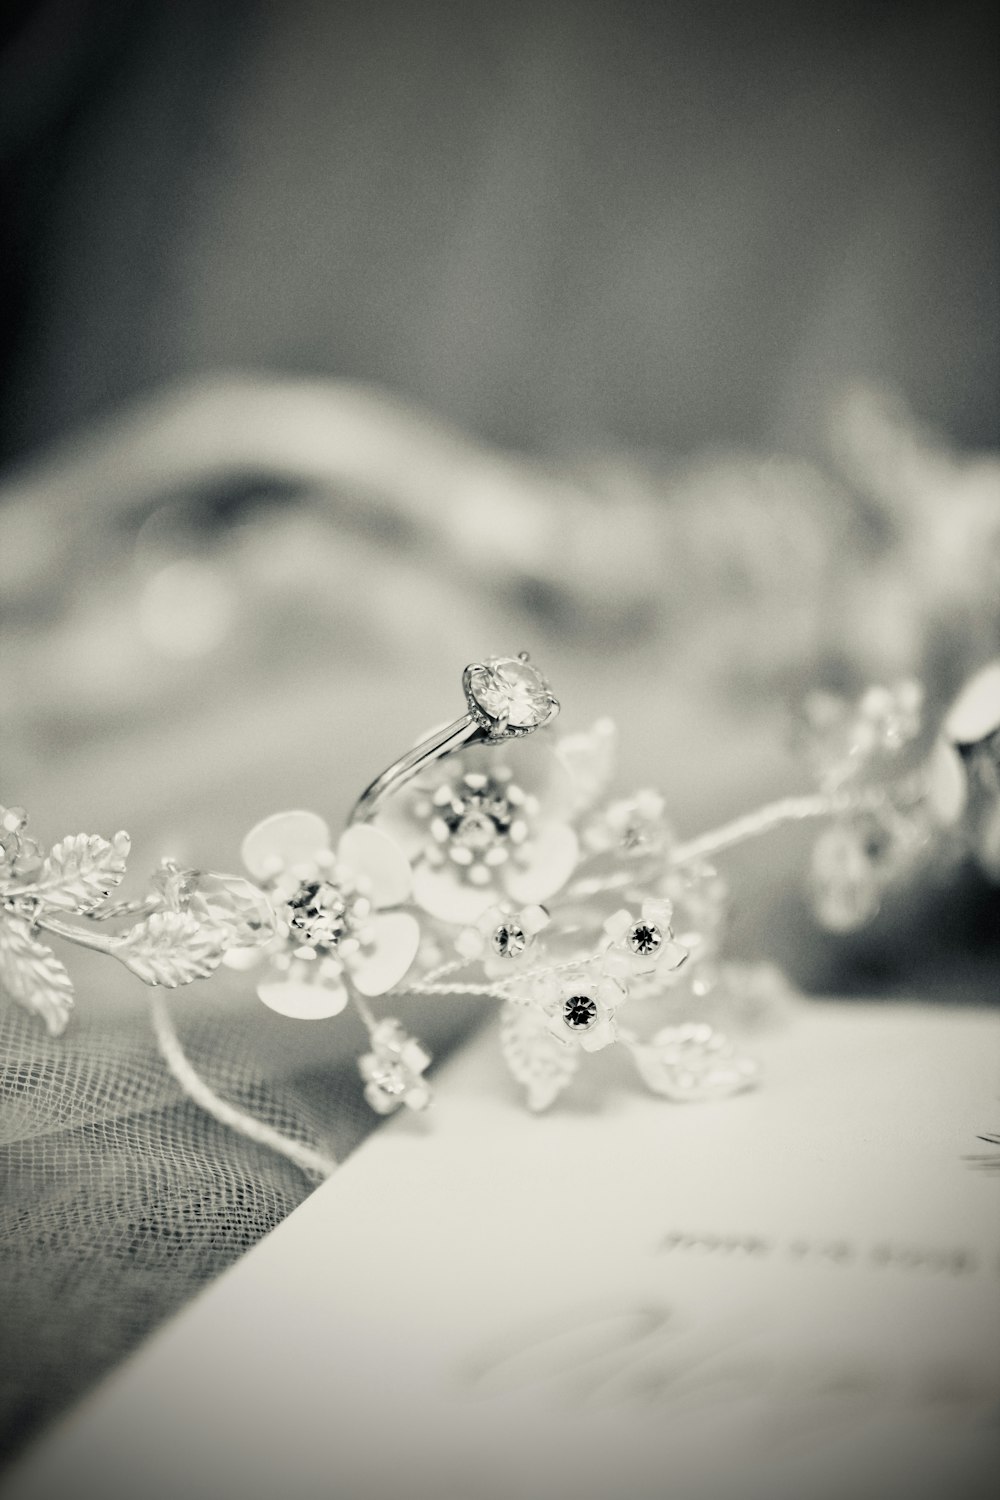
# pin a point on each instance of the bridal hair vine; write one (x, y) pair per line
(493, 859)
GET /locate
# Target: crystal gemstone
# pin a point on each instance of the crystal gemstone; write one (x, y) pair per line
(644, 939)
(506, 689)
(317, 914)
(509, 940)
(580, 1012)
(391, 1079)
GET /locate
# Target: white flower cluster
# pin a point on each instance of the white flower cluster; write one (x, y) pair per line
(507, 869)
(501, 870)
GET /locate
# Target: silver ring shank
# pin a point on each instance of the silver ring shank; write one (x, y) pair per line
(465, 730)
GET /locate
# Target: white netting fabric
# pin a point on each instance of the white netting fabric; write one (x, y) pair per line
(121, 1197)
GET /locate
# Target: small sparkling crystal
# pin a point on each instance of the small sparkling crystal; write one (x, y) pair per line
(509, 940)
(645, 938)
(580, 1012)
(317, 914)
(506, 688)
(475, 830)
(392, 1079)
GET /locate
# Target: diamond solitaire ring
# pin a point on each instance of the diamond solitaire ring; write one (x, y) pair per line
(506, 696)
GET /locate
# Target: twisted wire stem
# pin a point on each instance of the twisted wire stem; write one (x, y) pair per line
(752, 825)
(315, 1164)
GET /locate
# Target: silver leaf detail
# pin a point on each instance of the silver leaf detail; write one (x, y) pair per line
(535, 1057)
(171, 948)
(79, 871)
(693, 1062)
(34, 976)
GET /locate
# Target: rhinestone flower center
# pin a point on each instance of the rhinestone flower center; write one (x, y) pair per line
(509, 940)
(475, 830)
(580, 1012)
(476, 820)
(318, 915)
(391, 1078)
(645, 938)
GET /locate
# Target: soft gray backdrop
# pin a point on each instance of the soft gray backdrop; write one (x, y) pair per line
(603, 221)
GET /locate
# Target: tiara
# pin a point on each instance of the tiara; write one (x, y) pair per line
(496, 859)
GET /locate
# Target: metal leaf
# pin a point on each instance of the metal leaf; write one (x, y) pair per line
(693, 1062)
(79, 871)
(34, 976)
(170, 948)
(535, 1057)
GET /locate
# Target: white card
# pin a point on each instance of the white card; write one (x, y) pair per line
(794, 1293)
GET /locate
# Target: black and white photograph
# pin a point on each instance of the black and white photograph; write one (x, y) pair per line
(499, 750)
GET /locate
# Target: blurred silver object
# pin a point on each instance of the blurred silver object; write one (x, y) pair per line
(972, 728)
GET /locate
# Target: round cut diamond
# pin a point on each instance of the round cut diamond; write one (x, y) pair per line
(509, 940)
(580, 1012)
(510, 691)
(645, 938)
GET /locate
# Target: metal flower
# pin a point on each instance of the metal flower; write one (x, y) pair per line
(630, 827)
(393, 1070)
(580, 1005)
(503, 939)
(644, 943)
(334, 923)
(489, 825)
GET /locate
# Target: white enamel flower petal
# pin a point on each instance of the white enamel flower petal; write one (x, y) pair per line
(975, 714)
(533, 765)
(242, 958)
(618, 964)
(554, 854)
(283, 840)
(658, 911)
(449, 898)
(533, 919)
(590, 759)
(609, 992)
(399, 820)
(369, 852)
(470, 943)
(415, 1056)
(302, 1000)
(672, 955)
(947, 784)
(599, 1036)
(618, 925)
(556, 1026)
(396, 937)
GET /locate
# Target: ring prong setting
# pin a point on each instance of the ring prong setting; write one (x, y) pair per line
(508, 696)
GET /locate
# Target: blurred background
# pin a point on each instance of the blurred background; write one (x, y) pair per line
(552, 224)
(342, 344)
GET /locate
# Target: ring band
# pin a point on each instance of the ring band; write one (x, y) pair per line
(506, 696)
